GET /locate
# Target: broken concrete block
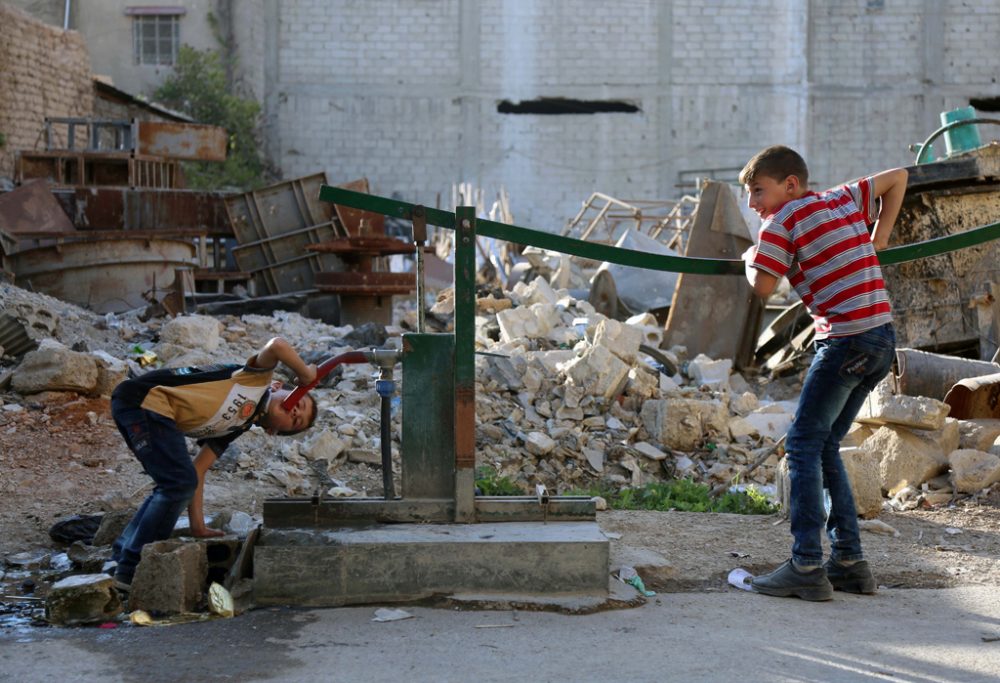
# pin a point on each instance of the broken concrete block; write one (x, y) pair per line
(113, 523)
(505, 371)
(650, 451)
(364, 456)
(745, 403)
(110, 373)
(682, 423)
(972, 470)
(918, 412)
(53, 367)
(170, 577)
(598, 372)
(739, 428)
(82, 599)
(642, 383)
(323, 446)
(539, 291)
(706, 371)
(538, 443)
(621, 340)
(856, 435)
(770, 421)
(192, 332)
(668, 385)
(566, 413)
(906, 460)
(683, 464)
(862, 467)
(523, 322)
(978, 434)
(595, 458)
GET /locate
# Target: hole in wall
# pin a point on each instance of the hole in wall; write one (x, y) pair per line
(563, 105)
(986, 103)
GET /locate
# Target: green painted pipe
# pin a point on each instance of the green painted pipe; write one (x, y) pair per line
(630, 257)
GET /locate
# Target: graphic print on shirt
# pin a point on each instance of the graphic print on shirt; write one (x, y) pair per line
(234, 411)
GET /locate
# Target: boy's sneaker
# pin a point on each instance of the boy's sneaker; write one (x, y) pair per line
(123, 583)
(787, 581)
(853, 578)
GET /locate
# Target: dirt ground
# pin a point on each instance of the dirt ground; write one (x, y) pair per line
(62, 456)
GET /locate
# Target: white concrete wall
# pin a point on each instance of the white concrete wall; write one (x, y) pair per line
(405, 92)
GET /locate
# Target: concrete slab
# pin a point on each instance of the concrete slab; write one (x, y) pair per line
(405, 562)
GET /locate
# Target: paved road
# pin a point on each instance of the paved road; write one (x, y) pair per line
(919, 636)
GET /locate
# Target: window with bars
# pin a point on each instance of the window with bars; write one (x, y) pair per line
(155, 39)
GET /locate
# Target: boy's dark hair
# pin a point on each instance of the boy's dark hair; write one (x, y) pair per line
(776, 162)
(312, 418)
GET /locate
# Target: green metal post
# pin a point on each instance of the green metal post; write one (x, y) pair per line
(428, 453)
(465, 368)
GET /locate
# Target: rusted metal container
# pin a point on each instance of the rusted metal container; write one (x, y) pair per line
(193, 141)
(102, 274)
(931, 296)
(121, 208)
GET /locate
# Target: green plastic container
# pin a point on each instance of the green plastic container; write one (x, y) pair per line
(961, 138)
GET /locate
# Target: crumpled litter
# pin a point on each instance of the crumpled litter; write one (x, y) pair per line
(630, 576)
(389, 614)
(220, 601)
(740, 578)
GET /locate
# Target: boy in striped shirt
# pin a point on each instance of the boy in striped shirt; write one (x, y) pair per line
(820, 242)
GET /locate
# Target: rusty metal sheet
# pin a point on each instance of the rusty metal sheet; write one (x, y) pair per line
(32, 208)
(193, 141)
(376, 245)
(351, 218)
(112, 208)
(375, 284)
(274, 225)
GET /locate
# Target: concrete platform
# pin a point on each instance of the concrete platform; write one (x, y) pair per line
(405, 562)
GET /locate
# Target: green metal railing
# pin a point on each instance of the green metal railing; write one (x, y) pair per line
(630, 257)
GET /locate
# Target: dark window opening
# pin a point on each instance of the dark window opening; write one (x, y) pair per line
(986, 103)
(562, 105)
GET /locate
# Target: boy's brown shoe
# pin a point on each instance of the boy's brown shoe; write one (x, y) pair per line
(787, 581)
(853, 578)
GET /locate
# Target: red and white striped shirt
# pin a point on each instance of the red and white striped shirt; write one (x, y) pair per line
(821, 243)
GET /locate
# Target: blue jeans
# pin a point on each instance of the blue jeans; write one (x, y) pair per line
(160, 447)
(842, 374)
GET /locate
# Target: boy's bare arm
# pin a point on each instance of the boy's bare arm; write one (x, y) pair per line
(278, 349)
(196, 511)
(890, 186)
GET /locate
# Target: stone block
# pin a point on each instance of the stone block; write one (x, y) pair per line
(323, 446)
(598, 372)
(905, 459)
(192, 332)
(110, 372)
(973, 470)
(862, 467)
(170, 578)
(538, 291)
(53, 367)
(682, 423)
(769, 422)
(706, 371)
(978, 434)
(642, 383)
(917, 412)
(522, 323)
(113, 523)
(622, 340)
(82, 599)
(538, 443)
(745, 403)
(650, 451)
(856, 435)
